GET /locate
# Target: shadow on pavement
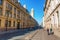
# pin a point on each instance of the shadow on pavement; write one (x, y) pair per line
(18, 33)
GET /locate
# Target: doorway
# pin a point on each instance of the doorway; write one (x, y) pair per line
(18, 25)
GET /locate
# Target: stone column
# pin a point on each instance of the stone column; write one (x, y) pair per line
(12, 16)
(4, 8)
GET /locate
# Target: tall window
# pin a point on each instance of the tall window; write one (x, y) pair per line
(14, 12)
(18, 14)
(14, 24)
(14, 15)
(6, 23)
(30, 17)
(1, 1)
(10, 15)
(0, 11)
(0, 22)
(58, 14)
(9, 6)
(9, 23)
(58, 17)
(7, 14)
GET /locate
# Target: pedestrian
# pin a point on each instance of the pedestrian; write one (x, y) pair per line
(47, 30)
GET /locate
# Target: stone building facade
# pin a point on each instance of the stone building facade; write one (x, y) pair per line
(14, 16)
(52, 15)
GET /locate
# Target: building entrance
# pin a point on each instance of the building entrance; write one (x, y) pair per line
(18, 25)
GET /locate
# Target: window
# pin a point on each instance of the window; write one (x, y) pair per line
(9, 23)
(7, 13)
(18, 14)
(0, 11)
(0, 22)
(30, 17)
(57, 14)
(14, 15)
(14, 10)
(1, 1)
(58, 17)
(10, 15)
(9, 6)
(14, 24)
(6, 23)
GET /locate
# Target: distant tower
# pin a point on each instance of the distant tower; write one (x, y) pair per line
(32, 12)
(24, 6)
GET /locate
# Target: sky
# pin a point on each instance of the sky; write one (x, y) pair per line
(37, 5)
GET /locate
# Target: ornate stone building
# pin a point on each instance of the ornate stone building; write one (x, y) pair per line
(52, 15)
(14, 16)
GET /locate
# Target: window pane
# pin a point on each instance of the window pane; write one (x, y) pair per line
(14, 24)
(9, 23)
(6, 23)
(9, 6)
(0, 11)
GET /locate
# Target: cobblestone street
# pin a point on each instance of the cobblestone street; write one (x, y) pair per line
(42, 35)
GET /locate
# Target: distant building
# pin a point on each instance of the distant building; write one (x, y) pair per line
(43, 22)
(32, 12)
(24, 6)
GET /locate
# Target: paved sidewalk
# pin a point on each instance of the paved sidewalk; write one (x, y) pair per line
(42, 35)
(57, 32)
